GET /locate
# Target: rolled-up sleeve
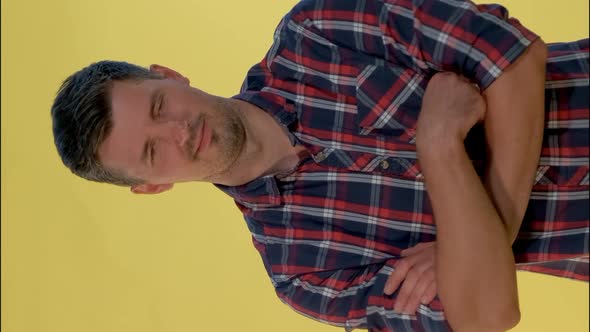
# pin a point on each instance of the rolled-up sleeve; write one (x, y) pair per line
(476, 41)
(353, 298)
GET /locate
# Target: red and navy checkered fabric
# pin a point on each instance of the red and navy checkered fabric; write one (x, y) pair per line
(346, 77)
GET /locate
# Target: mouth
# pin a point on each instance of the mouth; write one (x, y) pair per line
(203, 138)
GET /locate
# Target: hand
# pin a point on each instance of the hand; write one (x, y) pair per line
(417, 271)
(451, 106)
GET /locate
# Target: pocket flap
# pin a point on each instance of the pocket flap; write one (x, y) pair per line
(389, 99)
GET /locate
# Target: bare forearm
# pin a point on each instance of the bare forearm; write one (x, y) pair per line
(514, 131)
(475, 266)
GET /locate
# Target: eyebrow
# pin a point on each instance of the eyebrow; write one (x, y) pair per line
(146, 146)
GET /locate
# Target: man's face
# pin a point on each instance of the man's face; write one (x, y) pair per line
(164, 131)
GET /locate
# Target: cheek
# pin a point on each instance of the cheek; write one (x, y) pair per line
(181, 106)
(169, 160)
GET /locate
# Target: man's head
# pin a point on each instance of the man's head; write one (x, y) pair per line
(118, 123)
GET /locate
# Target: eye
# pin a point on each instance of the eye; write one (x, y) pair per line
(160, 106)
(152, 152)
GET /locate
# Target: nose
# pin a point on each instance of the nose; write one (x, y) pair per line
(176, 132)
(181, 134)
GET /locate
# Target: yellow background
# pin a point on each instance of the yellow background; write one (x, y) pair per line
(86, 257)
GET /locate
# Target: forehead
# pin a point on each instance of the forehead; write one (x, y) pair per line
(124, 94)
(130, 104)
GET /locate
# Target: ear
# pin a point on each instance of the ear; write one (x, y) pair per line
(151, 188)
(169, 73)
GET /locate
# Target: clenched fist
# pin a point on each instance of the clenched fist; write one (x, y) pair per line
(451, 106)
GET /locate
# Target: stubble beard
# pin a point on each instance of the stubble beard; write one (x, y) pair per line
(230, 139)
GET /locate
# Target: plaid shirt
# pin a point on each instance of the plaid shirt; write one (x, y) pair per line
(346, 77)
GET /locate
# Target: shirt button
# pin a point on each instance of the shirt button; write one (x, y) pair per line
(385, 164)
(320, 156)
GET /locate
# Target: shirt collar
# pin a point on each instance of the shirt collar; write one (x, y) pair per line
(263, 191)
(279, 107)
(260, 192)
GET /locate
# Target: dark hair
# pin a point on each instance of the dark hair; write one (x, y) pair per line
(82, 118)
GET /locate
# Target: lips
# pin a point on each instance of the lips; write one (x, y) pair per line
(202, 139)
(205, 138)
(198, 138)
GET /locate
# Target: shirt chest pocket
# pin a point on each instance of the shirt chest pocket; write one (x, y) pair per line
(389, 99)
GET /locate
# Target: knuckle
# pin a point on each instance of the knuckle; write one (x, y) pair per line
(402, 264)
(393, 284)
(415, 302)
(449, 75)
(423, 285)
(392, 276)
(404, 291)
(413, 274)
(431, 293)
(426, 264)
(411, 307)
(439, 77)
(412, 300)
(402, 295)
(423, 290)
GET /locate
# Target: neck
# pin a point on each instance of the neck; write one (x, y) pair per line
(267, 148)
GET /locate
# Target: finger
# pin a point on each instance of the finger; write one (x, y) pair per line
(442, 77)
(430, 293)
(417, 248)
(414, 302)
(417, 264)
(464, 79)
(397, 276)
(405, 293)
(412, 250)
(425, 267)
(393, 282)
(448, 74)
(408, 286)
(473, 85)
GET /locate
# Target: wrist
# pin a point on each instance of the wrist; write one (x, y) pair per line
(439, 146)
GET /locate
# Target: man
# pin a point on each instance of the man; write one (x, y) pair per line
(356, 112)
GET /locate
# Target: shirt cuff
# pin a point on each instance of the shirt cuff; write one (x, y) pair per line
(498, 47)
